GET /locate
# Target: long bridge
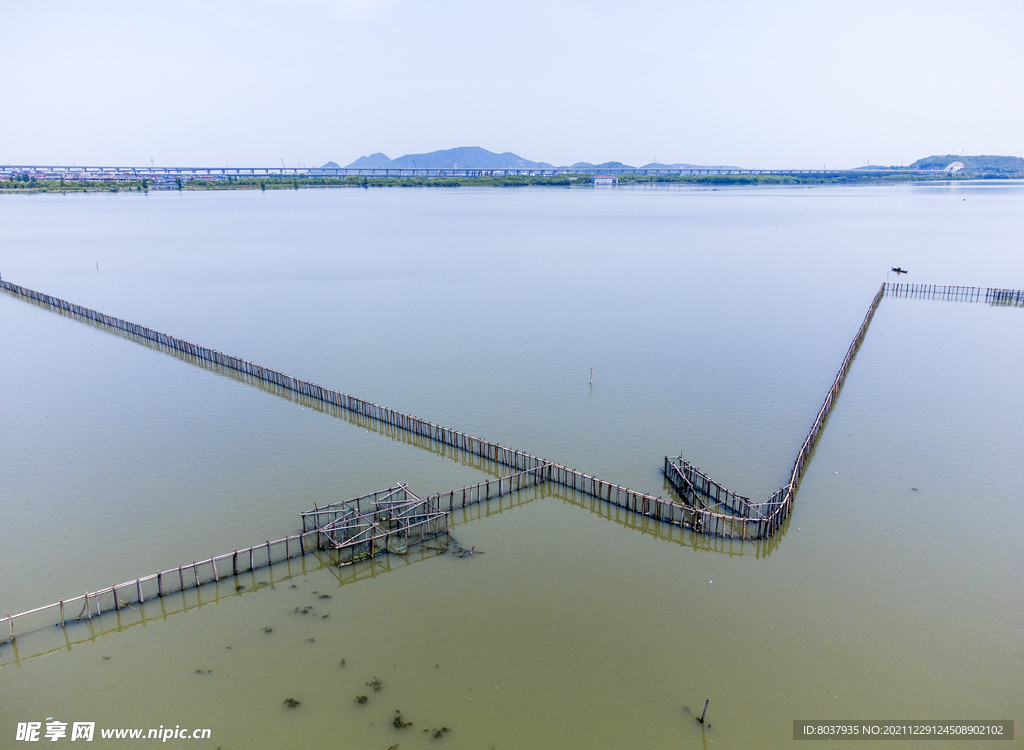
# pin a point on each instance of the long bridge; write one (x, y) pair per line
(170, 174)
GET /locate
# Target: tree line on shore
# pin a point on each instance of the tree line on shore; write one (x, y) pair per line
(25, 182)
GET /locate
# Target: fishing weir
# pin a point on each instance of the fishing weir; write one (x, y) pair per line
(989, 295)
(383, 521)
(396, 520)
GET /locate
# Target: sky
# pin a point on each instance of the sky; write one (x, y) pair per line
(739, 82)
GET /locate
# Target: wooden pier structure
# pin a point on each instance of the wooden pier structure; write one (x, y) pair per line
(385, 521)
(393, 519)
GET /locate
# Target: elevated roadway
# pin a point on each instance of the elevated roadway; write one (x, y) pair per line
(170, 174)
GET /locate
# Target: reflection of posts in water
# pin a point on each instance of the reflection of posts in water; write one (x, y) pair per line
(761, 520)
(730, 522)
(720, 524)
(354, 533)
(36, 636)
(436, 434)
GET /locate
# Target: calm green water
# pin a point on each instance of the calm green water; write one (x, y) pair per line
(714, 321)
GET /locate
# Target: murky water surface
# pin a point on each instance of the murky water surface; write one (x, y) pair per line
(714, 322)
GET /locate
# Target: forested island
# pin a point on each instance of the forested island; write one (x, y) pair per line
(987, 165)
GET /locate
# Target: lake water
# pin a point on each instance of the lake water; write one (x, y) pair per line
(714, 321)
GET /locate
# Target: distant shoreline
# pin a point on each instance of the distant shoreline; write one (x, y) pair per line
(562, 180)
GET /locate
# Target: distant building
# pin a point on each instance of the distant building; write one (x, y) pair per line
(954, 167)
(604, 179)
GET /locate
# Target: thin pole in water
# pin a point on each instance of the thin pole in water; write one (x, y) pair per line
(591, 376)
(701, 719)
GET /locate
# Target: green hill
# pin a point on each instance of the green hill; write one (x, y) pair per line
(990, 164)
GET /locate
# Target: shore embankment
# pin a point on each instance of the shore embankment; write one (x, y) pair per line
(277, 182)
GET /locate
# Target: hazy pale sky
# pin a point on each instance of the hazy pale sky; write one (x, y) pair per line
(754, 84)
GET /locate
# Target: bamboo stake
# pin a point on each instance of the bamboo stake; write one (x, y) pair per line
(702, 713)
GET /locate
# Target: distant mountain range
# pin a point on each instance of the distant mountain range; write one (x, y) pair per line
(474, 157)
